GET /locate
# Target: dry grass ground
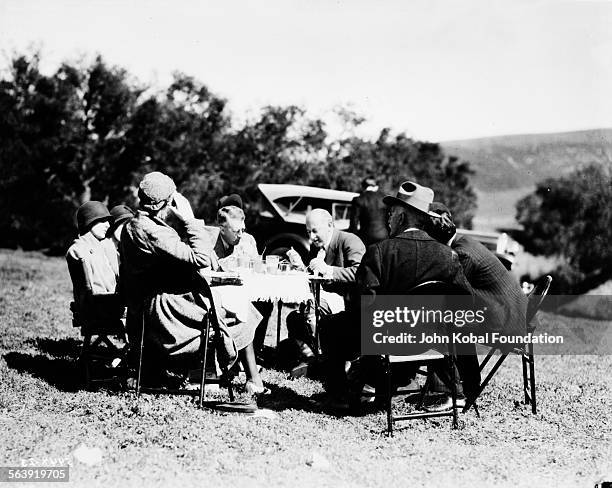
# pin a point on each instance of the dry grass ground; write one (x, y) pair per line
(168, 441)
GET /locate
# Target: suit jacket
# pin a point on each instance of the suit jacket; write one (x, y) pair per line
(369, 215)
(344, 254)
(494, 286)
(397, 264)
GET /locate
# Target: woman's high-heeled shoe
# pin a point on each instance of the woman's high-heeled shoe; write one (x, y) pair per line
(252, 389)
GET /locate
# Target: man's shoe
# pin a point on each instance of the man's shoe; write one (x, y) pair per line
(299, 371)
(444, 404)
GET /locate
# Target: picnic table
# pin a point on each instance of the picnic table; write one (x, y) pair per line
(235, 290)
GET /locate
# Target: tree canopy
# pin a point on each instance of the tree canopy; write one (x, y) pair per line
(570, 217)
(91, 131)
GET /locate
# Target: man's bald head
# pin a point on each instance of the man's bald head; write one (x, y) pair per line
(319, 225)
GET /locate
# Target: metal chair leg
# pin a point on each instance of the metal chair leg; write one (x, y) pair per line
(278, 322)
(534, 409)
(389, 392)
(524, 361)
(138, 377)
(470, 402)
(204, 343)
(453, 383)
(85, 360)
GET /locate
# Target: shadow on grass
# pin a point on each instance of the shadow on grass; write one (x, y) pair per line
(69, 347)
(61, 373)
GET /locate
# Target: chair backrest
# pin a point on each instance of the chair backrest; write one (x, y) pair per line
(436, 287)
(536, 297)
(226, 348)
(79, 275)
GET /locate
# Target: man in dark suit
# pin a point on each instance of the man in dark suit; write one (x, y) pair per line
(369, 213)
(494, 288)
(394, 266)
(334, 254)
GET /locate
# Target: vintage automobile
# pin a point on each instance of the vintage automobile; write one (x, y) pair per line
(282, 213)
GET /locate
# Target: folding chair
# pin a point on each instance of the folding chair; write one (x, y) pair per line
(210, 319)
(535, 299)
(100, 316)
(427, 288)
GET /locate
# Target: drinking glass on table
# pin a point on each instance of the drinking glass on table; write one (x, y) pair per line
(229, 263)
(259, 265)
(272, 264)
(244, 263)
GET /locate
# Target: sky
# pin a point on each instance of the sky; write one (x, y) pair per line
(436, 70)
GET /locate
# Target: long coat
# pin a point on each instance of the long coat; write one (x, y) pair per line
(159, 270)
(102, 264)
(494, 286)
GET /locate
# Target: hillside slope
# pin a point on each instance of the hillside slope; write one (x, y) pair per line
(520, 161)
(508, 167)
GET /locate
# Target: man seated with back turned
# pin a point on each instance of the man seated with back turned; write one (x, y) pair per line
(494, 288)
(392, 267)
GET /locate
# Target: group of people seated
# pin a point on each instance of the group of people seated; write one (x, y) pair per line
(151, 258)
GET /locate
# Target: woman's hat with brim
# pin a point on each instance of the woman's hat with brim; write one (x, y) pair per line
(120, 214)
(413, 195)
(89, 213)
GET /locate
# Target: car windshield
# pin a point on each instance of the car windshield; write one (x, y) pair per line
(302, 205)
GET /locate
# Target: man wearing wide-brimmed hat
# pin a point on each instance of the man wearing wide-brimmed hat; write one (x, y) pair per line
(410, 256)
(395, 265)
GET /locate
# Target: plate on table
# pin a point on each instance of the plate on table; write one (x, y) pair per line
(222, 277)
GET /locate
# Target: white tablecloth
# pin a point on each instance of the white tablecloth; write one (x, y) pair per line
(261, 287)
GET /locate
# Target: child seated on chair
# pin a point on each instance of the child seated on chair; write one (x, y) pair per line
(95, 251)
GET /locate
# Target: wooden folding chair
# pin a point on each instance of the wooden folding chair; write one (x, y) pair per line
(427, 288)
(535, 299)
(100, 317)
(209, 320)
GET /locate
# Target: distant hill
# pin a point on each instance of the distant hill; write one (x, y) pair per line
(513, 162)
(508, 167)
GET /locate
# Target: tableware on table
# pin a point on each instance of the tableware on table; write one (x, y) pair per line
(284, 268)
(244, 264)
(229, 264)
(272, 264)
(258, 265)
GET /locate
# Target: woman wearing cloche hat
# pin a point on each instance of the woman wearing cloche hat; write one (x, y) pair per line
(94, 249)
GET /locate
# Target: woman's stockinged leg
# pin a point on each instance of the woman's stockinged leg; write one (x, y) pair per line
(247, 358)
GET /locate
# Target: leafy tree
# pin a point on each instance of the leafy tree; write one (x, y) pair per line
(91, 132)
(570, 217)
(397, 159)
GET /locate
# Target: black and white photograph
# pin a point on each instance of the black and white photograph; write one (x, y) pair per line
(306, 243)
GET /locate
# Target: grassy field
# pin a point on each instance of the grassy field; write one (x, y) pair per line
(166, 440)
